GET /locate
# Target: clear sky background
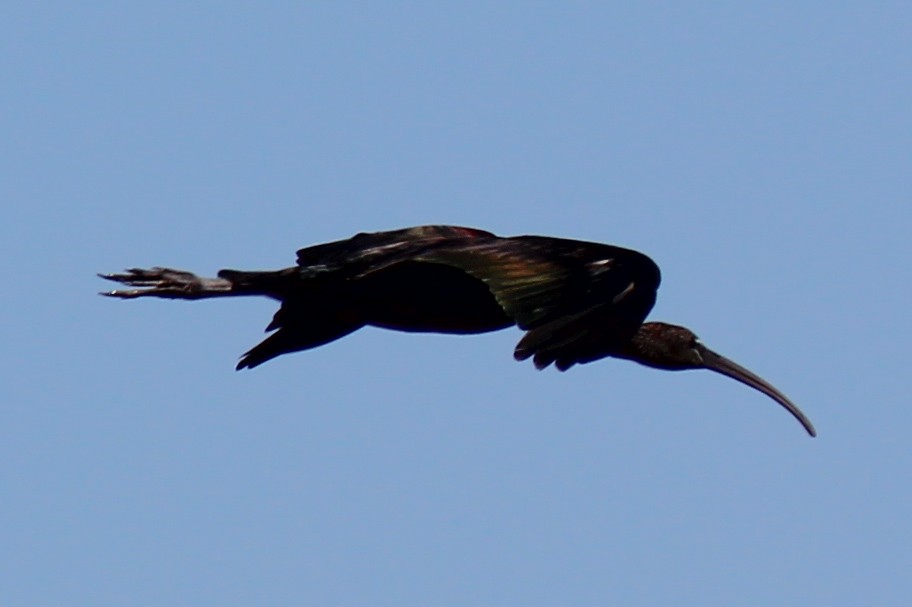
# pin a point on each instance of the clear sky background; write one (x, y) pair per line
(759, 152)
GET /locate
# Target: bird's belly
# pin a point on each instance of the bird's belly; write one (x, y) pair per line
(429, 298)
(413, 317)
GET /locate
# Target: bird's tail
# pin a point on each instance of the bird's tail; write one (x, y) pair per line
(177, 284)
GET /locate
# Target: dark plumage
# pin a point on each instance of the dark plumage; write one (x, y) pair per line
(576, 301)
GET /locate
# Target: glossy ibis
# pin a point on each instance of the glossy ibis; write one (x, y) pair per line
(576, 301)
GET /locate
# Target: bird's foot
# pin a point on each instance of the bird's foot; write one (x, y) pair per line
(163, 282)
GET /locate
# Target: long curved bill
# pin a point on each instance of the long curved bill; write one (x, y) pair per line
(720, 364)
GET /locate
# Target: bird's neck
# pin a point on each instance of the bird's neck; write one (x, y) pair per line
(650, 346)
(637, 348)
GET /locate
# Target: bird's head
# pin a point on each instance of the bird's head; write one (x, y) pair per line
(666, 346)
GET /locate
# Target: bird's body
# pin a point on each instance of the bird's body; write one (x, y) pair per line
(577, 301)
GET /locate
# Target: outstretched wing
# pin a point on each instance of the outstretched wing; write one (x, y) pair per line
(578, 301)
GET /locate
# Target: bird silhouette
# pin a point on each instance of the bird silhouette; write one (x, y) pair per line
(576, 301)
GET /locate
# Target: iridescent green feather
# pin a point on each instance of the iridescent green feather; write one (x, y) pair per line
(529, 287)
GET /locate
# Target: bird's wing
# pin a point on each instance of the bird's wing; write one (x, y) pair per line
(372, 251)
(576, 300)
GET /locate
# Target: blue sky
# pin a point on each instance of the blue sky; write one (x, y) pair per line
(759, 152)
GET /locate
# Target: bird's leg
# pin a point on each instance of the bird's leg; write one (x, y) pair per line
(167, 283)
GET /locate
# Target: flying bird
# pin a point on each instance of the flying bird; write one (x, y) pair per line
(576, 301)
